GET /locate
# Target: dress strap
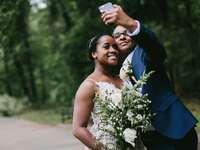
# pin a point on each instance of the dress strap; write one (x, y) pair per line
(89, 79)
(95, 83)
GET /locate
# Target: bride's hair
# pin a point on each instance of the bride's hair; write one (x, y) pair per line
(92, 44)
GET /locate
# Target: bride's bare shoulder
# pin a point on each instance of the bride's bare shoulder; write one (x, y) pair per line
(90, 81)
(87, 87)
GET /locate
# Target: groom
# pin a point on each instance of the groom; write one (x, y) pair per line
(173, 123)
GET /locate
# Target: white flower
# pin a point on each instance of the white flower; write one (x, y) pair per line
(125, 71)
(139, 117)
(110, 146)
(137, 93)
(103, 94)
(129, 114)
(139, 106)
(139, 89)
(130, 136)
(99, 134)
(123, 75)
(116, 98)
(109, 128)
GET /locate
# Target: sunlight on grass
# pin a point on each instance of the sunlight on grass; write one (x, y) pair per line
(53, 116)
(45, 116)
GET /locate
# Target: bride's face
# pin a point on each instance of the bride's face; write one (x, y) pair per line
(106, 51)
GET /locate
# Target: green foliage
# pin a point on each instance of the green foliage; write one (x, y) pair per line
(10, 106)
(51, 116)
(55, 39)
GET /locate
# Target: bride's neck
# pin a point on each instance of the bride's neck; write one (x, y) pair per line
(110, 71)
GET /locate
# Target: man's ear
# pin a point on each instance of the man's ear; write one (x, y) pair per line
(94, 55)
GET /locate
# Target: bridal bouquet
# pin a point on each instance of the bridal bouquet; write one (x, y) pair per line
(127, 114)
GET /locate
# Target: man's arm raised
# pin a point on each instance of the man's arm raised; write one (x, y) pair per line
(144, 37)
(119, 17)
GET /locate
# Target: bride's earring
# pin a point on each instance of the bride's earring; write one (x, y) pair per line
(94, 55)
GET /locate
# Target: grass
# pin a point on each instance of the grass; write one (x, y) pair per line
(51, 116)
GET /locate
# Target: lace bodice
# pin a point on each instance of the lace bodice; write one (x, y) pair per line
(104, 138)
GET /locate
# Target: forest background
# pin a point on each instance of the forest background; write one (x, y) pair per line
(43, 49)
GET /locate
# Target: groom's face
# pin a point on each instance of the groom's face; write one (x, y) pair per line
(123, 40)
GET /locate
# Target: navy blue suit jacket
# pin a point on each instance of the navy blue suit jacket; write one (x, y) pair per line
(172, 118)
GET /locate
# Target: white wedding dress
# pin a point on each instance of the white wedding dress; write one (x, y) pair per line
(105, 138)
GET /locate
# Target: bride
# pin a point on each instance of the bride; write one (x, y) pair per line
(103, 51)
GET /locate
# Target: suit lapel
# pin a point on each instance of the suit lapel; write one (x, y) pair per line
(137, 62)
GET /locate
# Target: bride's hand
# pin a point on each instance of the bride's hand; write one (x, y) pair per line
(99, 146)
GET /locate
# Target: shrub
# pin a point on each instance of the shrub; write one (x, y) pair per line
(10, 106)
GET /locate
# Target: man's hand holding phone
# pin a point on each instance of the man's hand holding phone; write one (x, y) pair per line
(115, 14)
(106, 7)
(107, 10)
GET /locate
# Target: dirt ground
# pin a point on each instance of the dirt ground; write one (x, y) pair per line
(16, 134)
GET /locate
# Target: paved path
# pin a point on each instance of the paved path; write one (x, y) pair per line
(18, 134)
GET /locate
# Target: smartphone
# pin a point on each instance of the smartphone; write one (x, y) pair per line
(106, 7)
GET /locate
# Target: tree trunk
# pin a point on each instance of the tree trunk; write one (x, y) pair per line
(30, 72)
(65, 15)
(43, 85)
(21, 75)
(8, 86)
(163, 5)
(25, 54)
